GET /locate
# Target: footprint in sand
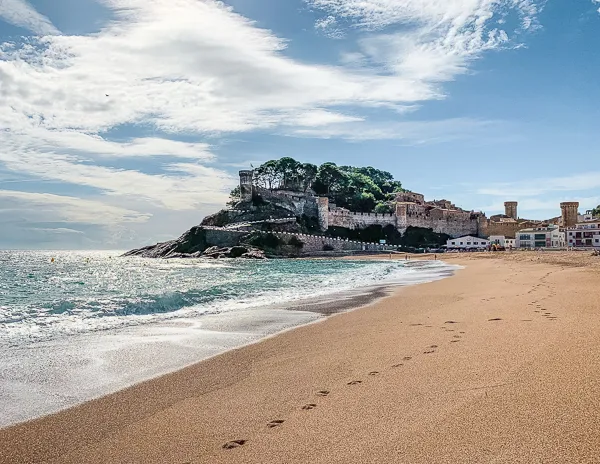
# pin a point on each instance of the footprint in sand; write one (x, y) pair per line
(456, 336)
(373, 373)
(494, 319)
(433, 346)
(398, 365)
(323, 393)
(407, 358)
(429, 352)
(234, 444)
(462, 332)
(525, 320)
(415, 325)
(275, 423)
(450, 322)
(354, 382)
(454, 341)
(309, 406)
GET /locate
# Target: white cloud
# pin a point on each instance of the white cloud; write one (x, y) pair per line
(22, 14)
(199, 184)
(45, 207)
(412, 132)
(428, 41)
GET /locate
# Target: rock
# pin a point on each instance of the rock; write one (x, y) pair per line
(237, 251)
(254, 254)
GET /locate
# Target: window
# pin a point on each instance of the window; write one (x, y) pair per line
(540, 236)
(598, 240)
(461, 243)
(453, 243)
(475, 243)
(468, 243)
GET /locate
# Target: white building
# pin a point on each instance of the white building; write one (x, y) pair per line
(584, 234)
(467, 242)
(541, 237)
(502, 241)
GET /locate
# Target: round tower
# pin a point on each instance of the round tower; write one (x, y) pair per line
(570, 211)
(510, 209)
(246, 185)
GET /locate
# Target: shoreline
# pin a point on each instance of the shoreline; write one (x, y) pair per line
(456, 368)
(160, 348)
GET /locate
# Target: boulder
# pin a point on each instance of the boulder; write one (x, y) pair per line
(254, 254)
(237, 251)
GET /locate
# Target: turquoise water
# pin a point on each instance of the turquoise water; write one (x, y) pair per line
(91, 323)
(44, 295)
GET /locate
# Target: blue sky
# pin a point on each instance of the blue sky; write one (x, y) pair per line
(124, 122)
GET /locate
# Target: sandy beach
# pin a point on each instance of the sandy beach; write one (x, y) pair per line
(498, 364)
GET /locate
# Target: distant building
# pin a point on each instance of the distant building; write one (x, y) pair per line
(585, 234)
(541, 237)
(468, 242)
(503, 241)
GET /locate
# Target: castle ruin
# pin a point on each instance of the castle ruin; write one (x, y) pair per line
(411, 210)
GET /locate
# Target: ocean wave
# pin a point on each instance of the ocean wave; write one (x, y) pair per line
(78, 295)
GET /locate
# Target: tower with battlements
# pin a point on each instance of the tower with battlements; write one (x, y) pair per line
(570, 211)
(246, 185)
(510, 209)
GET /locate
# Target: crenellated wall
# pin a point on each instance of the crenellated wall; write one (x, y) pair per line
(217, 236)
(343, 218)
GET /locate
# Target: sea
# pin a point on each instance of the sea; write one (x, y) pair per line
(78, 325)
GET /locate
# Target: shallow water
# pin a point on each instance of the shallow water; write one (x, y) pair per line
(77, 325)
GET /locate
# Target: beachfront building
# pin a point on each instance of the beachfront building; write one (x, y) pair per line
(503, 241)
(468, 242)
(541, 237)
(585, 234)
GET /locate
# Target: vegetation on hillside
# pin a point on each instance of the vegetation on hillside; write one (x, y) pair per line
(362, 189)
(596, 212)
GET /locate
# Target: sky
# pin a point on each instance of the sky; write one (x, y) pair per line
(125, 122)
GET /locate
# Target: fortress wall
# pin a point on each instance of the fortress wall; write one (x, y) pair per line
(315, 243)
(508, 229)
(352, 220)
(312, 243)
(455, 227)
(222, 237)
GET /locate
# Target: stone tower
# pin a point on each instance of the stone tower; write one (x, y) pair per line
(570, 210)
(246, 185)
(323, 212)
(510, 209)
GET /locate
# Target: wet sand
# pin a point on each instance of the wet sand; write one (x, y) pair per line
(497, 364)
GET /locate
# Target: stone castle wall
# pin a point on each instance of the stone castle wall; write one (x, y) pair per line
(351, 220)
(216, 236)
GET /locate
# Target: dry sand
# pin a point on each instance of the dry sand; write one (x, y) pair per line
(499, 364)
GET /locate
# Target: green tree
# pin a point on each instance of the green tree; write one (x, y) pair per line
(383, 208)
(290, 171)
(268, 175)
(308, 174)
(596, 212)
(234, 196)
(329, 179)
